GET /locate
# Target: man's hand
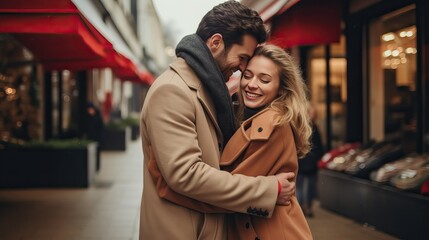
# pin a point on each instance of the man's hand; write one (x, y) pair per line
(233, 83)
(287, 188)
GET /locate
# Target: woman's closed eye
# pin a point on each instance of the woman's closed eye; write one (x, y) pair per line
(264, 81)
(247, 75)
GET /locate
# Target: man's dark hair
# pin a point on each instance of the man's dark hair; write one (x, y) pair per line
(232, 20)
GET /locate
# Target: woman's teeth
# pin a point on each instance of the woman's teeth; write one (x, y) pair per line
(252, 94)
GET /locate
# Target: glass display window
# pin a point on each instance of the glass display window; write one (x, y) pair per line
(20, 115)
(65, 102)
(338, 91)
(392, 77)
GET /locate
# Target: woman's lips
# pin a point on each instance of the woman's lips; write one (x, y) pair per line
(252, 95)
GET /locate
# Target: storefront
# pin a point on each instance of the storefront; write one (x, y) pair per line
(388, 73)
(57, 58)
(382, 183)
(369, 82)
(70, 56)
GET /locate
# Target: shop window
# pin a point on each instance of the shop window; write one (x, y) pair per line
(56, 105)
(20, 114)
(392, 77)
(70, 100)
(338, 91)
(65, 95)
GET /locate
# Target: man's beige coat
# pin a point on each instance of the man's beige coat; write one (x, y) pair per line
(180, 133)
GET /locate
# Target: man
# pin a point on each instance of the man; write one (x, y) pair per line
(186, 120)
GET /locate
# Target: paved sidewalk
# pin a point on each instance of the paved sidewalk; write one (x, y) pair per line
(109, 209)
(326, 225)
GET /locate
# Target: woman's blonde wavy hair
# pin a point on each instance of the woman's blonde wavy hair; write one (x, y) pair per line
(291, 103)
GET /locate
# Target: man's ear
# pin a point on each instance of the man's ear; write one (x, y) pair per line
(215, 43)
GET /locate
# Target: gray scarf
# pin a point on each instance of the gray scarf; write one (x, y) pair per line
(197, 55)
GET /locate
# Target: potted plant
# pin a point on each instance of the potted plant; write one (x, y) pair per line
(115, 136)
(134, 124)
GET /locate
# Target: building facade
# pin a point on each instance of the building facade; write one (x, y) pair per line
(59, 56)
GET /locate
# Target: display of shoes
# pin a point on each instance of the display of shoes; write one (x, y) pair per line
(341, 150)
(388, 170)
(364, 165)
(411, 179)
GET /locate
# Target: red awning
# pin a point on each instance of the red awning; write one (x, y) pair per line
(129, 71)
(61, 38)
(58, 37)
(308, 22)
(269, 8)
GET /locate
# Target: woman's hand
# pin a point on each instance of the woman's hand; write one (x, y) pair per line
(287, 189)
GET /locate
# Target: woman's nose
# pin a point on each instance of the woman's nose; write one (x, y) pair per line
(253, 83)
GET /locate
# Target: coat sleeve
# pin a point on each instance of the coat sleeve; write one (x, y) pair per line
(165, 192)
(170, 125)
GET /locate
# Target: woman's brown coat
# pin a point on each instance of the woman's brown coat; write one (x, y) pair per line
(261, 149)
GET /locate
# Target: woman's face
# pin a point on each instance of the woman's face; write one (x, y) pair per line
(260, 82)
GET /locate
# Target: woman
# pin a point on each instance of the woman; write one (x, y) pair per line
(274, 134)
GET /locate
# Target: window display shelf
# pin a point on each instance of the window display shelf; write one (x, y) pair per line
(399, 213)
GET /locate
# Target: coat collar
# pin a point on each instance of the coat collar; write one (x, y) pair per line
(261, 125)
(257, 128)
(189, 77)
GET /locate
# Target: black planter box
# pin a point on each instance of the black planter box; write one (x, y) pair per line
(135, 132)
(47, 167)
(399, 213)
(115, 139)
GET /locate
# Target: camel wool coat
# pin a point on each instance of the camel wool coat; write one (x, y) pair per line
(258, 148)
(261, 148)
(181, 139)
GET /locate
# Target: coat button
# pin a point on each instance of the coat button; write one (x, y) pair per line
(266, 213)
(260, 129)
(247, 225)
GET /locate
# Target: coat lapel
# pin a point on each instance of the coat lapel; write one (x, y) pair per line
(234, 149)
(189, 77)
(208, 106)
(259, 128)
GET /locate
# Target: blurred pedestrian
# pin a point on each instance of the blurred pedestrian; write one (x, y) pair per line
(93, 123)
(306, 188)
(94, 128)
